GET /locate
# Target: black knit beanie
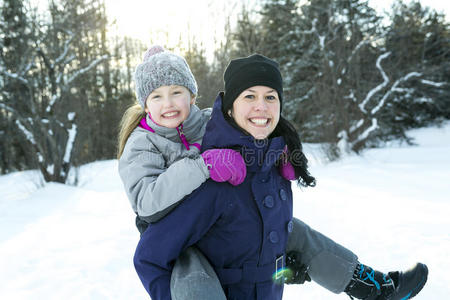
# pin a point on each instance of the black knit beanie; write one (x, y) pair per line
(242, 73)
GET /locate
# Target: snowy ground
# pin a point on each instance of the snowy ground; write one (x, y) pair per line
(390, 206)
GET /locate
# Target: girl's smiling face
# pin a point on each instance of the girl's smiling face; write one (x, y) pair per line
(257, 111)
(169, 106)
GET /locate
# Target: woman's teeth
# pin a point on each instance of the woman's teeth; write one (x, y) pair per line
(259, 121)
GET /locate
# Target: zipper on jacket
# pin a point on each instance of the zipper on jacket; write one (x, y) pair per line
(182, 136)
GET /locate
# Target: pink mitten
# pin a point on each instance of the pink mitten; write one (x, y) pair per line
(286, 169)
(225, 165)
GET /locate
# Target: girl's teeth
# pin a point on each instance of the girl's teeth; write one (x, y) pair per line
(259, 121)
(170, 114)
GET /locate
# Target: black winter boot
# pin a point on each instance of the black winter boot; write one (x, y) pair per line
(369, 284)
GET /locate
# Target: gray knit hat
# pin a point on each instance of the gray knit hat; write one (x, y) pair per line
(159, 68)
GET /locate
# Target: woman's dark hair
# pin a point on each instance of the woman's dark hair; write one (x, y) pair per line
(295, 149)
(295, 152)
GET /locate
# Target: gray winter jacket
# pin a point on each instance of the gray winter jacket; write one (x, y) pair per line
(156, 168)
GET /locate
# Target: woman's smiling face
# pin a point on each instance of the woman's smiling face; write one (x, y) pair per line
(257, 111)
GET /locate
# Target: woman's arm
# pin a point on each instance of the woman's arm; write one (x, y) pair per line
(164, 241)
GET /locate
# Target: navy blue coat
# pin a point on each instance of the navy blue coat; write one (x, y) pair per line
(242, 230)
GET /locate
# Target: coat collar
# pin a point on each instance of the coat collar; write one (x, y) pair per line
(259, 155)
(191, 126)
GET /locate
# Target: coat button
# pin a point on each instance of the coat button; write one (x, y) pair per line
(265, 178)
(283, 195)
(268, 201)
(273, 237)
(290, 226)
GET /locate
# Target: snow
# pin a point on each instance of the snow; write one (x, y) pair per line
(72, 133)
(82, 71)
(50, 169)
(435, 84)
(378, 87)
(360, 44)
(343, 144)
(52, 102)
(14, 76)
(351, 96)
(66, 49)
(394, 88)
(366, 132)
(390, 206)
(29, 136)
(356, 126)
(322, 41)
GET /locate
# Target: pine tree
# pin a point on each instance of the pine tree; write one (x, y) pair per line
(321, 45)
(418, 39)
(17, 36)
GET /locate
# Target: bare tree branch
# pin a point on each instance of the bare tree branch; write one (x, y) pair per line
(15, 76)
(359, 46)
(378, 87)
(14, 112)
(26, 132)
(66, 49)
(393, 89)
(86, 69)
(432, 83)
(366, 133)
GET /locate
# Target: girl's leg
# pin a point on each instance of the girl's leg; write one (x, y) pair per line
(194, 278)
(337, 268)
(329, 264)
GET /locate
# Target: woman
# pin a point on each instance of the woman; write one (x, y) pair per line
(245, 231)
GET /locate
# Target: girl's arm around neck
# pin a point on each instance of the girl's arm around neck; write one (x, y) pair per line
(153, 188)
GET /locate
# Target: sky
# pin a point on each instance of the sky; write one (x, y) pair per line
(200, 20)
(203, 19)
(149, 21)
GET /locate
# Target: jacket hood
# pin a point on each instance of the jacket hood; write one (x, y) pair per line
(259, 155)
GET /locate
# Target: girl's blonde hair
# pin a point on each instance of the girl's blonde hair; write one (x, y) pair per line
(130, 120)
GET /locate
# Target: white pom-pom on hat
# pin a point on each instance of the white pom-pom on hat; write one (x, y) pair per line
(152, 51)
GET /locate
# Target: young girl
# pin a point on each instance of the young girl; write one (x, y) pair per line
(159, 148)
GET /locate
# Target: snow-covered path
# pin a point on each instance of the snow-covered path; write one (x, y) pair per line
(390, 206)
